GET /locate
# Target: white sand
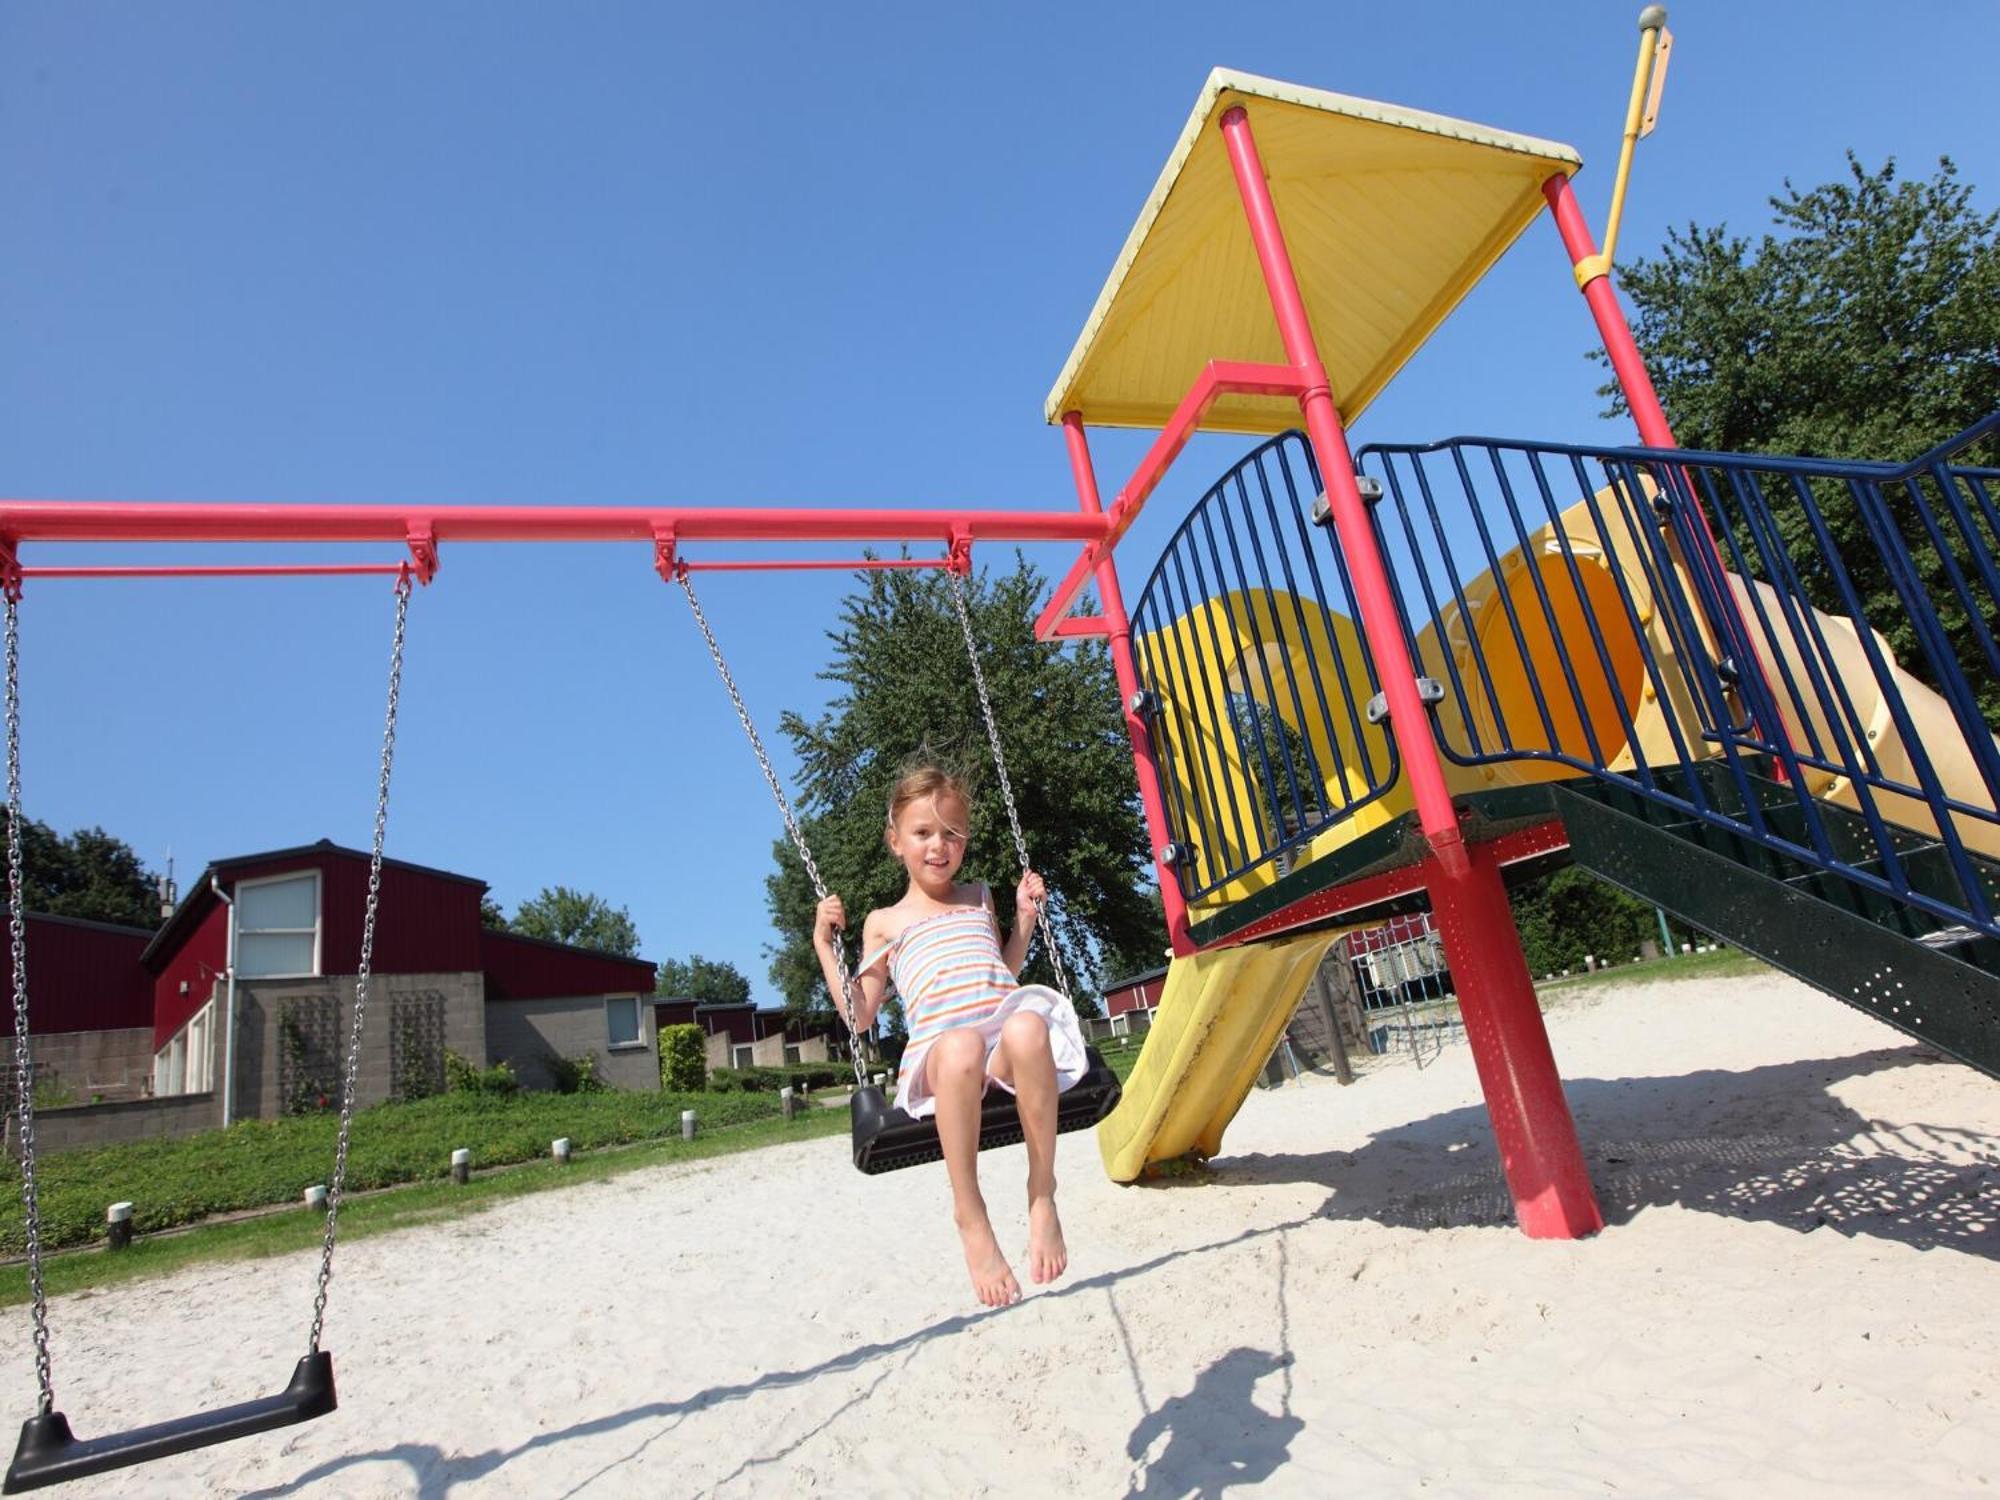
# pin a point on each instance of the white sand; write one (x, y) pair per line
(1798, 1294)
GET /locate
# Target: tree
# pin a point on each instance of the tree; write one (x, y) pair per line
(88, 874)
(491, 916)
(905, 689)
(711, 981)
(1867, 327)
(558, 914)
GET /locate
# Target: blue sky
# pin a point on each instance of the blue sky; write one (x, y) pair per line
(748, 254)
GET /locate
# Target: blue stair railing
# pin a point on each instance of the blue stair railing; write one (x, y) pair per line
(1799, 652)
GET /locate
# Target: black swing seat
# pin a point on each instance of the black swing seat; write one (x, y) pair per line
(50, 1454)
(886, 1140)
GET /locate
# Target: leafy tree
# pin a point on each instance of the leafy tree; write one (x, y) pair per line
(1868, 326)
(561, 915)
(88, 874)
(711, 981)
(491, 916)
(905, 690)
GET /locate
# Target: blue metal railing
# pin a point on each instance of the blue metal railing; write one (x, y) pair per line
(1260, 727)
(1629, 614)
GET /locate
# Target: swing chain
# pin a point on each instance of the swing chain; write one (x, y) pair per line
(846, 994)
(336, 1188)
(24, 1067)
(1006, 786)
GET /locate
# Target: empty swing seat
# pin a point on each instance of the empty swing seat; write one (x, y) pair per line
(886, 1139)
(50, 1454)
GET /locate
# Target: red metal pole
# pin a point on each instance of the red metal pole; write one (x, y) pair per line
(1373, 598)
(1119, 634)
(1636, 382)
(1517, 1072)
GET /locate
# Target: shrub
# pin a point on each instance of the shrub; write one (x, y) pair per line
(462, 1077)
(574, 1075)
(771, 1080)
(683, 1058)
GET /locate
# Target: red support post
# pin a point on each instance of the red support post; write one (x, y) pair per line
(1118, 632)
(1636, 383)
(1409, 721)
(1517, 1071)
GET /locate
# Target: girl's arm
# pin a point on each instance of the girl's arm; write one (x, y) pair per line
(865, 996)
(1028, 898)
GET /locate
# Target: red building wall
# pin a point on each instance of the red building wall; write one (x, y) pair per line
(197, 962)
(519, 968)
(82, 976)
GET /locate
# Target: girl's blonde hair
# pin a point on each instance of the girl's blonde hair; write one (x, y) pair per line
(923, 779)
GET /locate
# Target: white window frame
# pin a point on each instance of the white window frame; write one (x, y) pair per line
(638, 1020)
(318, 927)
(190, 1051)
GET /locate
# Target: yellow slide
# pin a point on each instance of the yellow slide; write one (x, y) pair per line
(1222, 1013)
(1219, 1019)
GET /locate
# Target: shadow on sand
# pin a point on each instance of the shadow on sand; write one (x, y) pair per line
(1772, 1144)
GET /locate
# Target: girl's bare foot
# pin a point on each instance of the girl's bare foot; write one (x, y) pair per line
(992, 1278)
(1048, 1256)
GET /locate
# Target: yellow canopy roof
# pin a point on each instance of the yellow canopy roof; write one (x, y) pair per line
(1391, 215)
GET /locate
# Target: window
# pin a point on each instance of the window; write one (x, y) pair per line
(277, 927)
(621, 1020)
(791, 1056)
(185, 1064)
(743, 1056)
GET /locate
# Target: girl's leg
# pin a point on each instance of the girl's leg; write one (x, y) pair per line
(1027, 1065)
(956, 1068)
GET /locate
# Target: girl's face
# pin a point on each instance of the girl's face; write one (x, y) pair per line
(929, 838)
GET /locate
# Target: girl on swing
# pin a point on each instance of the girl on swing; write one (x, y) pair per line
(972, 1023)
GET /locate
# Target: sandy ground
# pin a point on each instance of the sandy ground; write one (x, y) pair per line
(1797, 1294)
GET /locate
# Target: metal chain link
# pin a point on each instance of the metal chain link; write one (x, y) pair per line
(1006, 785)
(791, 823)
(339, 1183)
(24, 1065)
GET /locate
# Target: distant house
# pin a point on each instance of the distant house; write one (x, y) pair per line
(239, 1006)
(1129, 1003)
(743, 1036)
(90, 1007)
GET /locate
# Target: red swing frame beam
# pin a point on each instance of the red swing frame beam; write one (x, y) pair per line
(423, 531)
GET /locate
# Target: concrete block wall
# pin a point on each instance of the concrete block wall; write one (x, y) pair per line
(321, 1011)
(169, 1118)
(524, 1033)
(117, 1064)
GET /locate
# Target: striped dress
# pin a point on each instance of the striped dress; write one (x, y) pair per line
(950, 973)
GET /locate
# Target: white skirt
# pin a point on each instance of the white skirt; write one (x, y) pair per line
(913, 1091)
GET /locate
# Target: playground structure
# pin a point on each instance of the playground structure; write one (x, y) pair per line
(1357, 683)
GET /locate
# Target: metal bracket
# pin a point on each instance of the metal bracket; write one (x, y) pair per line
(1729, 671)
(423, 563)
(1369, 487)
(1177, 856)
(1430, 692)
(1142, 705)
(961, 552)
(10, 570)
(665, 563)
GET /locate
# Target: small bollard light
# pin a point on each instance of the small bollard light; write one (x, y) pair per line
(118, 1218)
(877, 1078)
(461, 1165)
(687, 1124)
(559, 1149)
(316, 1197)
(790, 1102)
(1687, 949)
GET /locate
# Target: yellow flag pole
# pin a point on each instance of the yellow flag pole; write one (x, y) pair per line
(1649, 77)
